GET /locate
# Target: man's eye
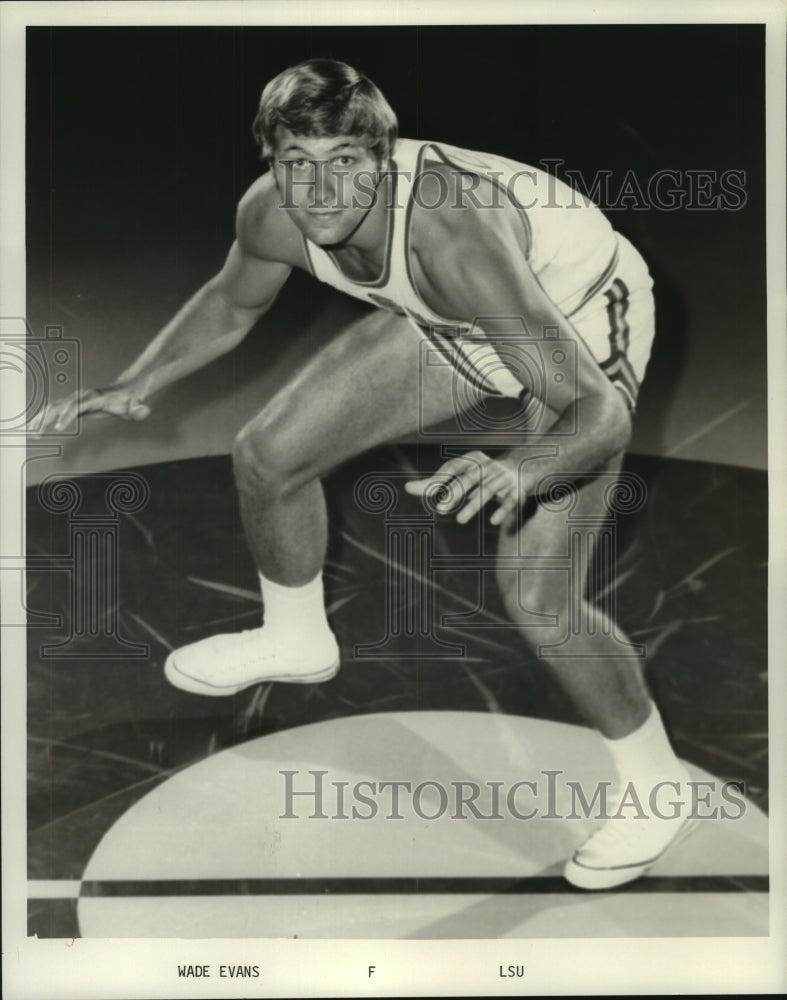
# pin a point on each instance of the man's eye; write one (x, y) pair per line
(343, 161)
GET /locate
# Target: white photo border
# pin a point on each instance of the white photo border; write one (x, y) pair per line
(143, 968)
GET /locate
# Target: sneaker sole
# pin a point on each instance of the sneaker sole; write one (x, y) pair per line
(594, 879)
(194, 686)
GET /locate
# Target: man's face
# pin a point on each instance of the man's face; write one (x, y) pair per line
(326, 183)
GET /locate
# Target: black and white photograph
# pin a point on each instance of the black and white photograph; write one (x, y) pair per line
(393, 450)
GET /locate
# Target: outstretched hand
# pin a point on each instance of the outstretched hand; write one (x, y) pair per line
(468, 483)
(117, 400)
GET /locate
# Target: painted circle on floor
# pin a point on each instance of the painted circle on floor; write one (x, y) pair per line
(410, 825)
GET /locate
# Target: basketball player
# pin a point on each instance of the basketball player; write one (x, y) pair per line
(486, 258)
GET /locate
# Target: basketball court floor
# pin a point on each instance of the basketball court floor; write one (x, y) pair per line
(156, 813)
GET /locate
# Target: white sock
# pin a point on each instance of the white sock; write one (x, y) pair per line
(295, 614)
(646, 751)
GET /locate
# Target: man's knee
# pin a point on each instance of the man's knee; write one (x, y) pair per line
(540, 606)
(268, 452)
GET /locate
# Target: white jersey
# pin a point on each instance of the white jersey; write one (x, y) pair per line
(571, 248)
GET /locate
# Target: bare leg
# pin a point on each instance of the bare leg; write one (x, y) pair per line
(604, 683)
(363, 389)
(368, 387)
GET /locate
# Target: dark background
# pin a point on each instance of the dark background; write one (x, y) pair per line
(139, 146)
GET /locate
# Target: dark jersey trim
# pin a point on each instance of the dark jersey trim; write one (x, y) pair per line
(498, 186)
(599, 283)
(385, 274)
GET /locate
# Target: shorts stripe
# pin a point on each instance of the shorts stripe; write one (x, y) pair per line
(617, 366)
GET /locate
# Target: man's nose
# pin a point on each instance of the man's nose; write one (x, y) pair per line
(324, 186)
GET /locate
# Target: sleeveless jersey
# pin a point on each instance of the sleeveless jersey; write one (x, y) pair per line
(571, 247)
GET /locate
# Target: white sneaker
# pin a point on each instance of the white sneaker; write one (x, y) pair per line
(626, 846)
(226, 664)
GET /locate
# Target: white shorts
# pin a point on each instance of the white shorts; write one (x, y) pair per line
(616, 321)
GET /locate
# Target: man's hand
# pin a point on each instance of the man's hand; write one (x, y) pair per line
(118, 400)
(471, 481)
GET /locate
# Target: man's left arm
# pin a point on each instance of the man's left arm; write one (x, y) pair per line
(481, 271)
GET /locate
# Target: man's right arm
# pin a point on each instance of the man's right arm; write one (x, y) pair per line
(210, 324)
